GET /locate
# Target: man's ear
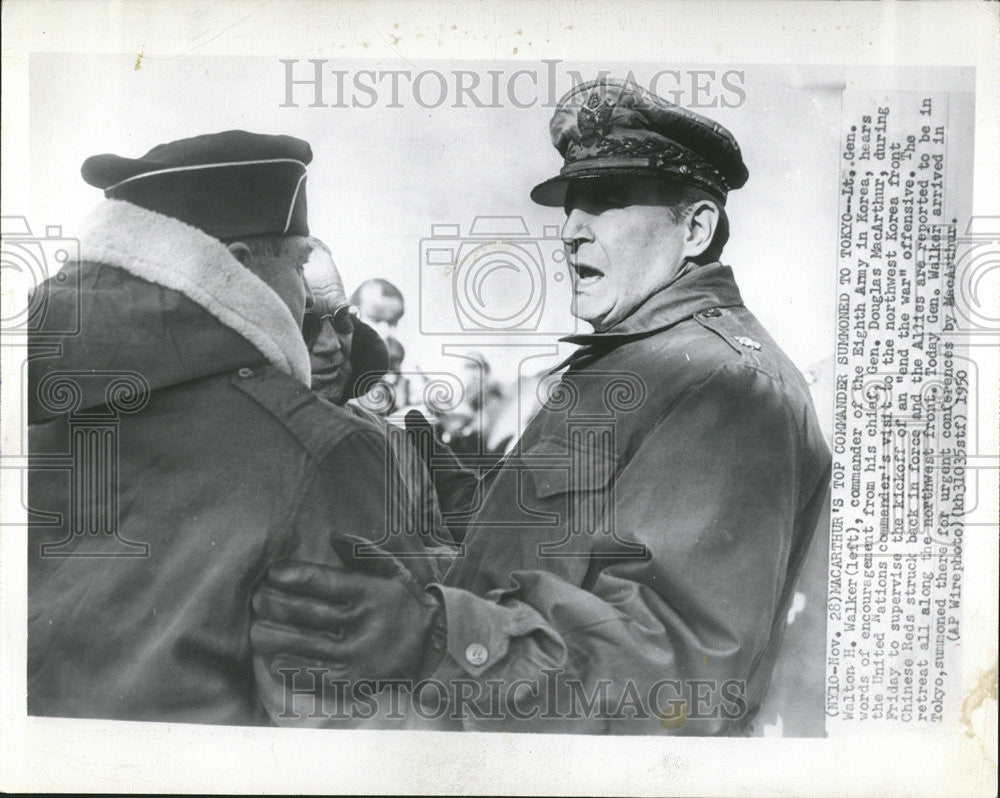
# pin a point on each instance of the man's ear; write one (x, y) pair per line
(703, 220)
(240, 251)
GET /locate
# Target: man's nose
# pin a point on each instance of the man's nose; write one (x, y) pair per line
(327, 342)
(576, 228)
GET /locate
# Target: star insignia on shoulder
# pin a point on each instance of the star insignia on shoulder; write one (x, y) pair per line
(749, 343)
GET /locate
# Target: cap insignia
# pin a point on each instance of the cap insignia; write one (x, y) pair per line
(594, 119)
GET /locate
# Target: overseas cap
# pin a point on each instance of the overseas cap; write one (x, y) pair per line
(607, 127)
(227, 184)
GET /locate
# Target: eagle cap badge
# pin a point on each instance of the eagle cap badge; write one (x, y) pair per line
(594, 119)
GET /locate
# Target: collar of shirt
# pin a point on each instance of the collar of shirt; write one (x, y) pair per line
(708, 286)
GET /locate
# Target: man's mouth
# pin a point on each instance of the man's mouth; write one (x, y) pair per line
(585, 274)
(326, 375)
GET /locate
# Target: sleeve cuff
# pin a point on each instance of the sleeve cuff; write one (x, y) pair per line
(478, 630)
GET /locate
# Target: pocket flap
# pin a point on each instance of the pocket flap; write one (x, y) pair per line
(580, 463)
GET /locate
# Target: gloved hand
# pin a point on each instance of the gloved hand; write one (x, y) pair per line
(351, 625)
(455, 485)
(369, 359)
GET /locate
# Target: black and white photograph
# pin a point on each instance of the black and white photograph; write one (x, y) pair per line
(565, 398)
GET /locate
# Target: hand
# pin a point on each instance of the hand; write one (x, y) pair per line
(421, 437)
(354, 625)
(455, 485)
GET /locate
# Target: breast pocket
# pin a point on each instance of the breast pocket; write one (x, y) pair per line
(572, 477)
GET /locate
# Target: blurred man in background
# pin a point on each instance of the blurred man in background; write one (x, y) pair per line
(380, 304)
(467, 429)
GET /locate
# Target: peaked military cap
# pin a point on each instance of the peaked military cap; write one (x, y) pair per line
(227, 184)
(606, 127)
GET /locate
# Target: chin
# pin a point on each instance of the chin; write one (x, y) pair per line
(583, 311)
(595, 320)
(331, 391)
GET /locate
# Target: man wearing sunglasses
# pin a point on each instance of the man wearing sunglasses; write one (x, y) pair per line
(347, 355)
(328, 326)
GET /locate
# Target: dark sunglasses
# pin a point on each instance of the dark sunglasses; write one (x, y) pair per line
(342, 321)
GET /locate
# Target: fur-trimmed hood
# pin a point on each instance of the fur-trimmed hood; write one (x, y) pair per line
(176, 255)
(156, 297)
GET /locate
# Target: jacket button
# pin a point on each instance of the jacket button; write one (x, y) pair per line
(245, 372)
(711, 313)
(477, 654)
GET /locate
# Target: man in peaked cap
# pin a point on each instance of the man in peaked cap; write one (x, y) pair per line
(176, 445)
(628, 567)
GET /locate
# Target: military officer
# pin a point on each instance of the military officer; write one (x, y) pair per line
(197, 451)
(628, 567)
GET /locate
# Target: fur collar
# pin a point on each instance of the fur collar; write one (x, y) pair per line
(170, 253)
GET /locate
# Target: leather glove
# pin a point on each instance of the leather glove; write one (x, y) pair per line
(374, 623)
(455, 485)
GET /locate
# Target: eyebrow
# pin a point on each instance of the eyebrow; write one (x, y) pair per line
(323, 302)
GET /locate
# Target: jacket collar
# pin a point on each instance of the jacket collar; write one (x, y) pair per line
(703, 287)
(175, 255)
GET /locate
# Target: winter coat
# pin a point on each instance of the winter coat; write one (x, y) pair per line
(176, 450)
